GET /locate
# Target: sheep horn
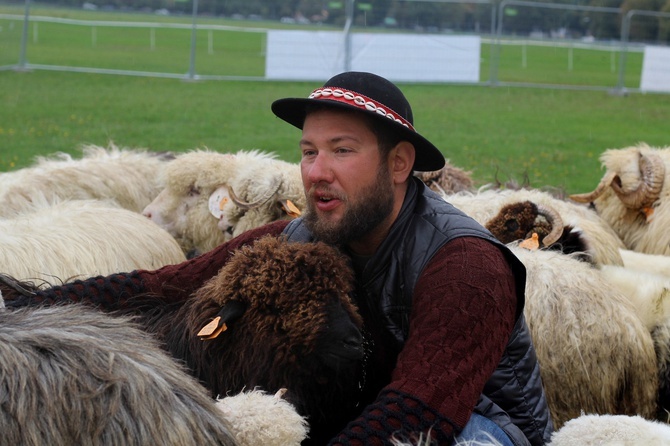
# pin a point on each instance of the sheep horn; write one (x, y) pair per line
(556, 222)
(605, 182)
(652, 171)
(248, 206)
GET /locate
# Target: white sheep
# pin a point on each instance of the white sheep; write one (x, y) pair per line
(594, 351)
(633, 196)
(611, 430)
(648, 292)
(209, 197)
(651, 263)
(602, 243)
(661, 336)
(258, 418)
(128, 177)
(59, 242)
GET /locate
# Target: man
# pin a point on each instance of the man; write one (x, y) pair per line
(442, 300)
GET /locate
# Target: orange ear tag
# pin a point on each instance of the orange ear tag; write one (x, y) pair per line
(648, 213)
(217, 201)
(531, 243)
(291, 209)
(212, 330)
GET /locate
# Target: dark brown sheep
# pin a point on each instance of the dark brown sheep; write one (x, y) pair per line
(289, 323)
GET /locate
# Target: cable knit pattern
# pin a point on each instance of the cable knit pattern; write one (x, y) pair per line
(455, 344)
(177, 282)
(106, 291)
(400, 414)
(447, 358)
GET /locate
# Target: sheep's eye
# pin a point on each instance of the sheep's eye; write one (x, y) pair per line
(193, 191)
(512, 225)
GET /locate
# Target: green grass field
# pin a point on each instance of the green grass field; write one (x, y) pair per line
(551, 136)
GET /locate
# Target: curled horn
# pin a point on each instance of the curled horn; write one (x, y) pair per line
(554, 220)
(247, 206)
(605, 182)
(652, 173)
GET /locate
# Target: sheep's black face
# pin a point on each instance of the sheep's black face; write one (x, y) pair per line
(573, 242)
(341, 342)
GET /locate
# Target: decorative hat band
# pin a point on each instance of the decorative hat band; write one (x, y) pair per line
(360, 101)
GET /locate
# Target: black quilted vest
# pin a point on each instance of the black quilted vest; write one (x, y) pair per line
(513, 397)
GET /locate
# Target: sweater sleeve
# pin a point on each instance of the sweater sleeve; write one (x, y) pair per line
(463, 312)
(171, 283)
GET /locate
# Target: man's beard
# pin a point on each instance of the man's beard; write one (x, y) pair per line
(371, 208)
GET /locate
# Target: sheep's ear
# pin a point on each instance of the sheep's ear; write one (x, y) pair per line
(230, 312)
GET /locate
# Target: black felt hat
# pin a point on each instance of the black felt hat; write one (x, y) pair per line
(370, 94)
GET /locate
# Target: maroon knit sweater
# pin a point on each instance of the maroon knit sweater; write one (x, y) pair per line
(463, 312)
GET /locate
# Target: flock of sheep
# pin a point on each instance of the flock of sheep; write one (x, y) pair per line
(596, 291)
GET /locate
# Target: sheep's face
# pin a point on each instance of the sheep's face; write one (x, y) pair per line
(183, 207)
(264, 192)
(170, 213)
(634, 186)
(514, 222)
(300, 330)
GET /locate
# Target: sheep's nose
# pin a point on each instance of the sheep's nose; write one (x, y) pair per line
(354, 340)
(352, 346)
(147, 214)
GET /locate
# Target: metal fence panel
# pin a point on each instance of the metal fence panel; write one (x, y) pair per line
(522, 43)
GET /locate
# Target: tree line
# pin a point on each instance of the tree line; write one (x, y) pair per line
(428, 16)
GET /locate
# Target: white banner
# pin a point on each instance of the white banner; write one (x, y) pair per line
(655, 69)
(319, 55)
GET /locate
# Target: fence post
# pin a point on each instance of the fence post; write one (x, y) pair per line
(349, 12)
(495, 64)
(625, 31)
(24, 38)
(191, 66)
(493, 68)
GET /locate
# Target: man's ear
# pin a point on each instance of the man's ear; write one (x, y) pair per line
(402, 160)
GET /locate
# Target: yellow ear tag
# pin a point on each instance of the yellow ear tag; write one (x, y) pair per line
(212, 330)
(531, 243)
(291, 209)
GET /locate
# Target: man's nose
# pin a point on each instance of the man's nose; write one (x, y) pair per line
(320, 169)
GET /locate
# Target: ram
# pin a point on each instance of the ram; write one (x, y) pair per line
(633, 196)
(562, 225)
(209, 197)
